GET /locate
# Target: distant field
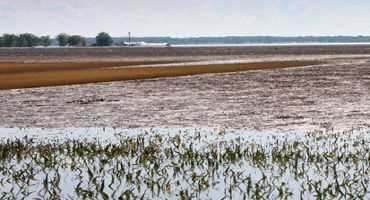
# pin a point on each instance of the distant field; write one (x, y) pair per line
(23, 75)
(125, 53)
(278, 98)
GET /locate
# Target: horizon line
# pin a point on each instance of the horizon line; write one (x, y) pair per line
(201, 36)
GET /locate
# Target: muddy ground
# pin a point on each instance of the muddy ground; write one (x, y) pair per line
(335, 95)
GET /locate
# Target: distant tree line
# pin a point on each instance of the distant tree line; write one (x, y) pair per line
(63, 39)
(70, 40)
(102, 39)
(24, 40)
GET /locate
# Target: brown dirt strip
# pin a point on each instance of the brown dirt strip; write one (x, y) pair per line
(39, 67)
(70, 75)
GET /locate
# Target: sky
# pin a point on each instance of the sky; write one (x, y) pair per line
(186, 18)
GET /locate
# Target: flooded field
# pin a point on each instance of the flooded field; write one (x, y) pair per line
(331, 95)
(187, 163)
(272, 132)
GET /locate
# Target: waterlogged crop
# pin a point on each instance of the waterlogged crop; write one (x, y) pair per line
(191, 164)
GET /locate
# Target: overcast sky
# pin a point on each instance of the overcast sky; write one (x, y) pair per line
(181, 18)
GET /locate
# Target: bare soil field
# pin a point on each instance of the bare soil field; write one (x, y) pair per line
(333, 94)
(19, 67)
(15, 75)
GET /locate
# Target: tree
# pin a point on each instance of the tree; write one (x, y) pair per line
(10, 40)
(76, 40)
(27, 40)
(103, 39)
(1, 42)
(63, 39)
(83, 42)
(45, 41)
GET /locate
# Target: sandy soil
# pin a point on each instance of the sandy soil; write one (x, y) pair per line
(335, 94)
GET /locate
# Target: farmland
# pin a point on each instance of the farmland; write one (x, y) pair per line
(331, 92)
(185, 164)
(280, 122)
